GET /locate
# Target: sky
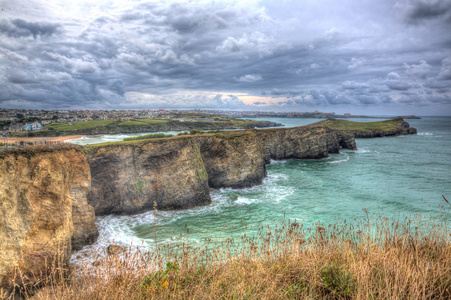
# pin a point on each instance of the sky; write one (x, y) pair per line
(378, 57)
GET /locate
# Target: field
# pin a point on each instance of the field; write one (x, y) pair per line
(143, 125)
(77, 125)
(141, 122)
(361, 126)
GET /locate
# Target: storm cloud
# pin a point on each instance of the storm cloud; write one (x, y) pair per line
(364, 57)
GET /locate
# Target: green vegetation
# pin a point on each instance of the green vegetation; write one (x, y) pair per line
(152, 121)
(375, 258)
(77, 125)
(149, 136)
(141, 122)
(195, 131)
(147, 125)
(361, 126)
(128, 123)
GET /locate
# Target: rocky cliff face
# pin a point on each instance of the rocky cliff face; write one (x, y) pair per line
(232, 159)
(42, 198)
(129, 178)
(177, 172)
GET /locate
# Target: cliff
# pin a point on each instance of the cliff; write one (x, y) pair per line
(176, 172)
(43, 210)
(49, 195)
(129, 177)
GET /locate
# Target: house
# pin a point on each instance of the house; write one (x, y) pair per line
(33, 126)
(15, 128)
(36, 126)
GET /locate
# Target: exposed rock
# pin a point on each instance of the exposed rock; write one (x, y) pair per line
(297, 142)
(233, 159)
(38, 190)
(177, 172)
(129, 178)
(115, 249)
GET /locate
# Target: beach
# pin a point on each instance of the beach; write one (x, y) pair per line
(40, 140)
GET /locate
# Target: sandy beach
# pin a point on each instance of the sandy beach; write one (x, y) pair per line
(40, 140)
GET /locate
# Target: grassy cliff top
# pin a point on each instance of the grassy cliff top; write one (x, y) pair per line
(361, 126)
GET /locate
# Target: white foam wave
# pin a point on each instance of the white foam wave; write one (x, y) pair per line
(425, 133)
(120, 229)
(273, 161)
(244, 201)
(363, 150)
(339, 161)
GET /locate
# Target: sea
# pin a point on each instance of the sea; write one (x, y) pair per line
(387, 176)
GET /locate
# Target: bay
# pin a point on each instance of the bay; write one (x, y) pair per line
(389, 176)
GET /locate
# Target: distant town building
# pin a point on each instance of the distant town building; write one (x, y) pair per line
(15, 128)
(32, 126)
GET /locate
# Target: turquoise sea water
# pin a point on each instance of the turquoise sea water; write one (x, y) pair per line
(389, 176)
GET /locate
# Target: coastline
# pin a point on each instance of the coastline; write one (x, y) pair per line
(41, 139)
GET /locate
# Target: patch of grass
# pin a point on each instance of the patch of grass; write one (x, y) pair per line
(153, 121)
(338, 282)
(132, 123)
(78, 125)
(141, 122)
(361, 126)
(375, 258)
(149, 136)
(195, 131)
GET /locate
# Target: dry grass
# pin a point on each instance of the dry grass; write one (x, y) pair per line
(376, 258)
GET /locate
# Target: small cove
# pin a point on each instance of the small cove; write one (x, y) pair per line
(390, 176)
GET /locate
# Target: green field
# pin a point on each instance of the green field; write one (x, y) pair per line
(141, 122)
(78, 125)
(361, 126)
(152, 121)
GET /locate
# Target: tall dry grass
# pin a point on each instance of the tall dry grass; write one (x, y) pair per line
(376, 258)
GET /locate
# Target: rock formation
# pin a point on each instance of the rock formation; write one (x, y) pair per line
(42, 198)
(177, 172)
(128, 178)
(45, 193)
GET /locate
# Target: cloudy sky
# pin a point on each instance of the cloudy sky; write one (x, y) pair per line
(358, 56)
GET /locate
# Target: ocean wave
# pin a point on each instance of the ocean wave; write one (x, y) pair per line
(339, 161)
(244, 201)
(273, 161)
(363, 150)
(425, 133)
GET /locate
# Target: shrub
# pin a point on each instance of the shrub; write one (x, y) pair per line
(195, 131)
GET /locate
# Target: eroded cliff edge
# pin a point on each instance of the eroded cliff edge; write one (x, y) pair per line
(44, 192)
(44, 212)
(177, 172)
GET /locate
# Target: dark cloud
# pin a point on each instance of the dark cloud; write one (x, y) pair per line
(419, 10)
(224, 54)
(22, 28)
(445, 71)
